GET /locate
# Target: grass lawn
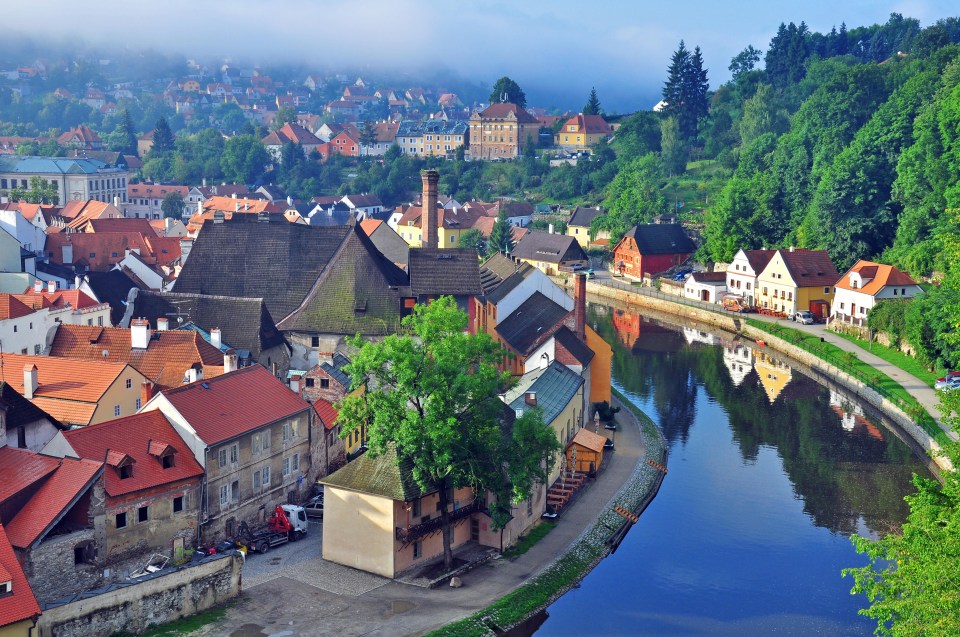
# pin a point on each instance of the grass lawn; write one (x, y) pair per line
(186, 625)
(896, 358)
(849, 363)
(530, 539)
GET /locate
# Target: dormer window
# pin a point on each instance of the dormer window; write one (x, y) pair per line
(126, 471)
(6, 588)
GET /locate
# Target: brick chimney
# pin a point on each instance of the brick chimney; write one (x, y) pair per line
(428, 214)
(30, 381)
(139, 333)
(580, 305)
(146, 392)
(38, 286)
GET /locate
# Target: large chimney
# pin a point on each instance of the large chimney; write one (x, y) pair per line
(215, 339)
(230, 361)
(580, 304)
(139, 333)
(428, 214)
(38, 286)
(163, 324)
(30, 381)
(51, 287)
(146, 392)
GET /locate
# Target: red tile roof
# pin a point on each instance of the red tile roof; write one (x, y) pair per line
(60, 298)
(758, 259)
(169, 354)
(11, 308)
(143, 437)
(875, 276)
(589, 124)
(507, 110)
(21, 604)
(20, 468)
(235, 403)
(327, 412)
(52, 500)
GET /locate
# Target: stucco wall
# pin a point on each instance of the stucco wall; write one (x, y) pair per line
(358, 530)
(160, 600)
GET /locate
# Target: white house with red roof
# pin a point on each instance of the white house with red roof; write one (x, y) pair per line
(743, 271)
(151, 478)
(866, 283)
(251, 434)
(65, 306)
(23, 329)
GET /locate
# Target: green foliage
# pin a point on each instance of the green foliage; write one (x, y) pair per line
(685, 91)
(889, 316)
(635, 196)
(743, 62)
(244, 159)
(500, 239)
(787, 54)
(674, 149)
(506, 90)
(638, 135)
(473, 238)
(163, 139)
(40, 191)
(592, 107)
(528, 541)
(434, 397)
(172, 205)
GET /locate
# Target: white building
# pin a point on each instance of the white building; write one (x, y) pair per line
(705, 286)
(743, 271)
(23, 330)
(859, 289)
(76, 179)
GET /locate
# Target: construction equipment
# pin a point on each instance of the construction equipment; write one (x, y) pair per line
(288, 523)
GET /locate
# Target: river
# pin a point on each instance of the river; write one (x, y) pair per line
(769, 475)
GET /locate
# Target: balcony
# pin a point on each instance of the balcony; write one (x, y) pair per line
(433, 525)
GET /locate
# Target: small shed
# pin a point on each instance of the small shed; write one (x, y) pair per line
(585, 451)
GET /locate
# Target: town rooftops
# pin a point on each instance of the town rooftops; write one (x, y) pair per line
(590, 440)
(508, 111)
(497, 269)
(583, 217)
(810, 268)
(235, 403)
(20, 411)
(53, 165)
(758, 259)
(147, 438)
(63, 378)
(661, 238)
(335, 369)
(437, 271)
(113, 287)
(589, 124)
(20, 604)
(155, 191)
(548, 248)
(874, 277)
(534, 318)
(11, 307)
(327, 413)
(384, 475)
(554, 387)
(577, 348)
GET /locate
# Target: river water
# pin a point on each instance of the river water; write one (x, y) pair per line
(769, 475)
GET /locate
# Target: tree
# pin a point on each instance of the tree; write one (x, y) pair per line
(434, 399)
(507, 91)
(673, 148)
(244, 159)
(592, 107)
(743, 62)
(473, 238)
(163, 139)
(40, 191)
(172, 205)
(127, 134)
(685, 91)
(500, 239)
(285, 115)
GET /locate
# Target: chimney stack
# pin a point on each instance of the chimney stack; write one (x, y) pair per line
(139, 333)
(215, 339)
(428, 214)
(580, 305)
(230, 361)
(550, 228)
(38, 286)
(51, 287)
(163, 324)
(199, 207)
(116, 201)
(30, 381)
(530, 398)
(146, 392)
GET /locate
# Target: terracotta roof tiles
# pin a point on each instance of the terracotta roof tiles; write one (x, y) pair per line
(21, 604)
(875, 276)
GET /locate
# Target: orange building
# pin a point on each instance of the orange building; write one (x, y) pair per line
(502, 131)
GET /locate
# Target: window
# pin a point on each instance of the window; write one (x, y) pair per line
(894, 291)
(143, 514)
(116, 410)
(325, 382)
(416, 508)
(121, 520)
(530, 505)
(178, 504)
(290, 430)
(256, 482)
(167, 461)
(126, 471)
(129, 383)
(234, 453)
(417, 550)
(314, 341)
(100, 321)
(224, 495)
(235, 491)
(37, 349)
(137, 404)
(826, 290)
(266, 477)
(309, 382)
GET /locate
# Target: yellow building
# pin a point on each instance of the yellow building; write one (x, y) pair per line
(452, 223)
(774, 374)
(581, 132)
(796, 280)
(578, 226)
(502, 131)
(600, 366)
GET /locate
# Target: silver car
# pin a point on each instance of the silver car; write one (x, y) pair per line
(805, 318)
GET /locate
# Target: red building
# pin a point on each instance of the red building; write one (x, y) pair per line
(652, 249)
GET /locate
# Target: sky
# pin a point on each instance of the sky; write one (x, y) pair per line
(555, 50)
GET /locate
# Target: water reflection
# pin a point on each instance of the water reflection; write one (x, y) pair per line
(770, 473)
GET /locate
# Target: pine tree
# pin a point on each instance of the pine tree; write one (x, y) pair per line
(592, 106)
(673, 87)
(685, 91)
(129, 133)
(500, 239)
(162, 137)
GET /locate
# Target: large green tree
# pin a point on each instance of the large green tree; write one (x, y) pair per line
(434, 397)
(500, 239)
(40, 191)
(172, 205)
(244, 159)
(506, 90)
(592, 107)
(685, 91)
(163, 140)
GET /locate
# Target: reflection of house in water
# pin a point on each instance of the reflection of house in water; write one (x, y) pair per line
(694, 335)
(852, 417)
(738, 360)
(774, 374)
(627, 326)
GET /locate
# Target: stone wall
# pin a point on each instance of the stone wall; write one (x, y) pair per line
(735, 323)
(158, 600)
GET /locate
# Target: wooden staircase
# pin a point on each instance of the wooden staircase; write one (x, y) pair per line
(559, 495)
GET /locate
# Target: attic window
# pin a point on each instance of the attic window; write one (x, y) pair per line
(126, 471)
(168, 460)
(6, 589)
(360, 306)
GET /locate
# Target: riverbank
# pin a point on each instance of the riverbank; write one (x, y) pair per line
(594, 544)
(711, 315)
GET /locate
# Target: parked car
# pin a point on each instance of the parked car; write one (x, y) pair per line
(590, 274)
(314, 507)
(682, 275)
(947, 384)
(804, 317)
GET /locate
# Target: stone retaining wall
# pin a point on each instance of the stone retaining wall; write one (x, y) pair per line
(730, 322)
(157, 600)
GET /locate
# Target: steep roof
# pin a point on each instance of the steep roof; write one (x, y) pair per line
(534, 318)
(661, 238)
(21, 468)
(357, 292)
(11, 308)
(758, 259)
(577, 348)
(554, 385)
(112, 287)
(143, 437)
(58, 378)
(20, 411)
(335, 369)
(592, 441)
(506, 110)
(549, 248)
(278, 262)
(20, 605)
(875, 276)
(589, 124)
(233, 404)
(436, 271)
(810, 268)
(583, 217)
(327, 413)
(99, 250)
(387, 241)
(169, 353)
(509, 284)
(52, 501)
(245, 323)
(497, 269)
(384, 475)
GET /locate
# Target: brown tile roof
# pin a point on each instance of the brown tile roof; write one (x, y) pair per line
(236, 403)
(810, 268)
(590, 440)
(60, 298)
(154, 191)
(169, 354)
(144, 437)
(589, 124)
(758, 259)
(99, 251)
(875, 276)
(507, 110)
(661, 238)
(438, 271)
(548, 248)
(108, 224)
(52, 501)
(11, 308)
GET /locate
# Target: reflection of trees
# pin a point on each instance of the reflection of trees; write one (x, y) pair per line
(844, 478)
